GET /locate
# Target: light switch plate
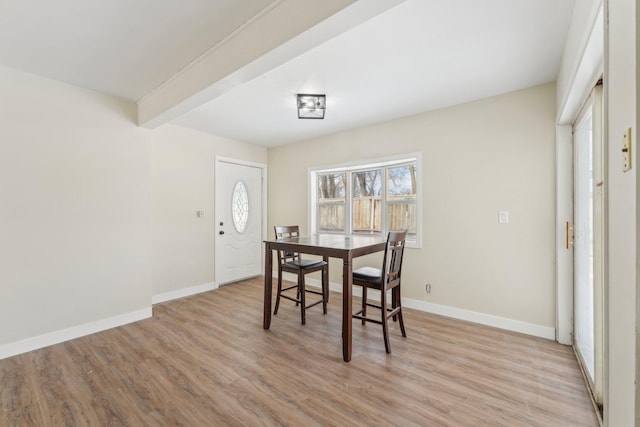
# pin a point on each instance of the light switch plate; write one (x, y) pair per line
(503, 217)
(626, 151)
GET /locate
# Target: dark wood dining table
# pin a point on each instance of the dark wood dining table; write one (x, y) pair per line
(326, 245)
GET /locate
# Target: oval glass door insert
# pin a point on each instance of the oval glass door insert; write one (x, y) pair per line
(240, 207)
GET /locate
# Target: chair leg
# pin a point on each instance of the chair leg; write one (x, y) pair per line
(325, 289)
(325, 272)
(302, 297)
(385, 327)
(279, 291)
(394, 302)
(397, 289)
(364, 304)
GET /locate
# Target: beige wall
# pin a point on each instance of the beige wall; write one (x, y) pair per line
(478, 158)
(74, 207)
(97, 215)
(182, 182)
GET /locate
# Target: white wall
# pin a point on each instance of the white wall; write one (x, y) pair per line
(182, 181)
(620, 71)
(582, 62)
(620, 110)
(478, 158)
(74, 208)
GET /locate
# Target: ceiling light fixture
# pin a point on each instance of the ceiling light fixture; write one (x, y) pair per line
(311, 106)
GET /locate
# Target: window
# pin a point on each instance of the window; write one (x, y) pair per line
(371, 198)
(240, 207)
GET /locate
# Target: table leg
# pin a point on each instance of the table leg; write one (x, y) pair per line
(268, 283)
(347, 270)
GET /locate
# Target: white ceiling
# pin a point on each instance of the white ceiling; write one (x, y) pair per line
(122, 47)
(418, 56)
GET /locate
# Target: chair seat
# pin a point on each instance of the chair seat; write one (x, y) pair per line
(303, 264)
(369, 274)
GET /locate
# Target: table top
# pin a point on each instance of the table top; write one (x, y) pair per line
(338, 241)
(329, 244)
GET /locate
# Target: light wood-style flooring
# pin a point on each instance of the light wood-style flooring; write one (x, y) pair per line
(206, 361)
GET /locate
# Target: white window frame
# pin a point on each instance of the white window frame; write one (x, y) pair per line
(350, 167)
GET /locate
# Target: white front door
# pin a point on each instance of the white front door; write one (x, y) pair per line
(238, 216)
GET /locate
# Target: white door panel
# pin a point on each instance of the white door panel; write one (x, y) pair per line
(238, 211)
(588, 242)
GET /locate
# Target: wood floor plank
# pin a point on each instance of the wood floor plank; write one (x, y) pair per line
(205, 360)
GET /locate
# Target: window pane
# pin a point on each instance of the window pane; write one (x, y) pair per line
(331, 187)
(402, 216)
(402, 181)
(331, 217)
(367, 203)
(367, 215)
(240, 207)
(367, 183)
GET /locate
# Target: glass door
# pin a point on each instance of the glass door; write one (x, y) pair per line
(588, 242)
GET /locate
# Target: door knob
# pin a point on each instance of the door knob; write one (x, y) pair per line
(221, 232)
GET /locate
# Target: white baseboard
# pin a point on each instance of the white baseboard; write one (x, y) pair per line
(56, 337)
(484, 319)
(181, 293)
(547, 332)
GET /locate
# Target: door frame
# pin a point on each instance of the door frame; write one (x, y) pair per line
(564, 251)
(263, 195)
(578, 87)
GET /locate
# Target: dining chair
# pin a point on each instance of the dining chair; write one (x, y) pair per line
(384, 279)
(292, 262)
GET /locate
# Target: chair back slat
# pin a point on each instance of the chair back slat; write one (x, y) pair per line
(286, 232)
(392, 262)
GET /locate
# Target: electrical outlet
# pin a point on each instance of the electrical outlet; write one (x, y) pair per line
(427, 288)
